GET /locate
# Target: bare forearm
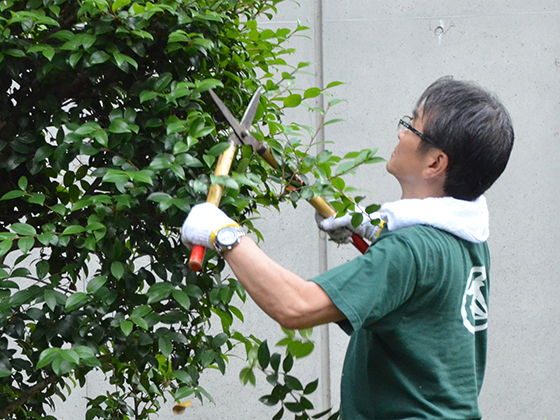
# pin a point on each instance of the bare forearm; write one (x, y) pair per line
(283, 295)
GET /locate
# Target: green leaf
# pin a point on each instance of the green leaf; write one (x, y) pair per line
(294, 407)
(311, 387)
(288, 363)
(36, 199)
(141, 311)
(162, 82)
(59, 208)
(147, 95)
(306, 333)
(279, 414)
(333, 121)
(126, 327)
(50, 299)
(14, 52)
(292, 100)
(87, 356)
(76, 301)
(209, 160)
(26, 244)
(333, 84)
(22, 183)
(47, 356)
(123, 60)
(247, 375)
(264, 355)
(24, 229)
(218, 149)
(70, 355)
(293, 383)
(357, 219)
(101, 137)
(219, 340)
(269, 400)
(181, 298)
(117, 269)
(99, 57)
(182, 376)
(5, 246)
(159, 291)
(165, 346)
(184, 392)
(96, 283)
(143, 176)
(87, 128)
(344, 167)
(42, 268)
(119, 126)
(141, 322)
(207, 84)
(75, 58)
(372, 208)
(73, 230)
(13, 194)
(275, 361)
(115, 176)
(312, 92)
(42, 153)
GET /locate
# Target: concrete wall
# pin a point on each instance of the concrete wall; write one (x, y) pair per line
(388, 52)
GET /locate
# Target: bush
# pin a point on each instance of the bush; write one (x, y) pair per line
(107, 137)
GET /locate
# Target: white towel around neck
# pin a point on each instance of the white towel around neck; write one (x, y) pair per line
(465, 219)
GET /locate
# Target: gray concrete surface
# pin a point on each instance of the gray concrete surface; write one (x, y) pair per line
(388, 52)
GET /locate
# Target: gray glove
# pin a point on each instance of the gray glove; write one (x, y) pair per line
(340, 229)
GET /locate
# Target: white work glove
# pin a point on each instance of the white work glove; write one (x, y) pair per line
(202, 223)
(340, 229)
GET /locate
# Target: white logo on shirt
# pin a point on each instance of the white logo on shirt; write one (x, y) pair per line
(475, 309)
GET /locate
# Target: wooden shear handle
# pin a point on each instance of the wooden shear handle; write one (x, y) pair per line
(326, 210)
(214, 196)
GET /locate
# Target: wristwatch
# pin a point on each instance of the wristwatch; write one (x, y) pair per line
(227, 237)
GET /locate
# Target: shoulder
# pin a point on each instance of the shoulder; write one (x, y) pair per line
(428, 244)
(412, 236)
(421, 234)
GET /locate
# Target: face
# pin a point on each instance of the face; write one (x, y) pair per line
(406, 162)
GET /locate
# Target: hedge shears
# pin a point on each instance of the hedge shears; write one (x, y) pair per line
(242, 136)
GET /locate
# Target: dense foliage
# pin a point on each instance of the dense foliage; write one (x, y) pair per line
(107, 138)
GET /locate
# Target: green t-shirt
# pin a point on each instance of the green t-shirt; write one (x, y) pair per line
(416, 309)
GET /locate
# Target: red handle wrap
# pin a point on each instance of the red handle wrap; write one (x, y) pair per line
(197, 256)
(359, 243)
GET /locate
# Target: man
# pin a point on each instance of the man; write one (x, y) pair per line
(415, 304)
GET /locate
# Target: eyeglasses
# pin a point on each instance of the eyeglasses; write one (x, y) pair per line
(405, 124)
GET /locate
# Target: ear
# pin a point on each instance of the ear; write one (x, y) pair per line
(437, 164)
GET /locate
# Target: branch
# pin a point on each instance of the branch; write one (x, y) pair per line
(26, 395)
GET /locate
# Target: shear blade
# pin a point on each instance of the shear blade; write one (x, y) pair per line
(241, 130)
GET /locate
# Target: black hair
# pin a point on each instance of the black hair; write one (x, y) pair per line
(473, 128)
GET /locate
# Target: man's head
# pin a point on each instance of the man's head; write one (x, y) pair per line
(474, 130)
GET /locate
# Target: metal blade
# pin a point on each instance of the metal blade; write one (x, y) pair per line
(237, 128)
(249, 116)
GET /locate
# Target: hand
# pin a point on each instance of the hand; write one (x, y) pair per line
(202, 223)
(340, 229)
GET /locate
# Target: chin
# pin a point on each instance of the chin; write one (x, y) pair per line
(388, 167)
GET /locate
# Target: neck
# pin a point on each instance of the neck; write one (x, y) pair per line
(421, 191)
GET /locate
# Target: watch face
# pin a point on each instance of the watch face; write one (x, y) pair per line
(227, 236)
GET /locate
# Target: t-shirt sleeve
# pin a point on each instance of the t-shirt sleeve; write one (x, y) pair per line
(372, 285)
